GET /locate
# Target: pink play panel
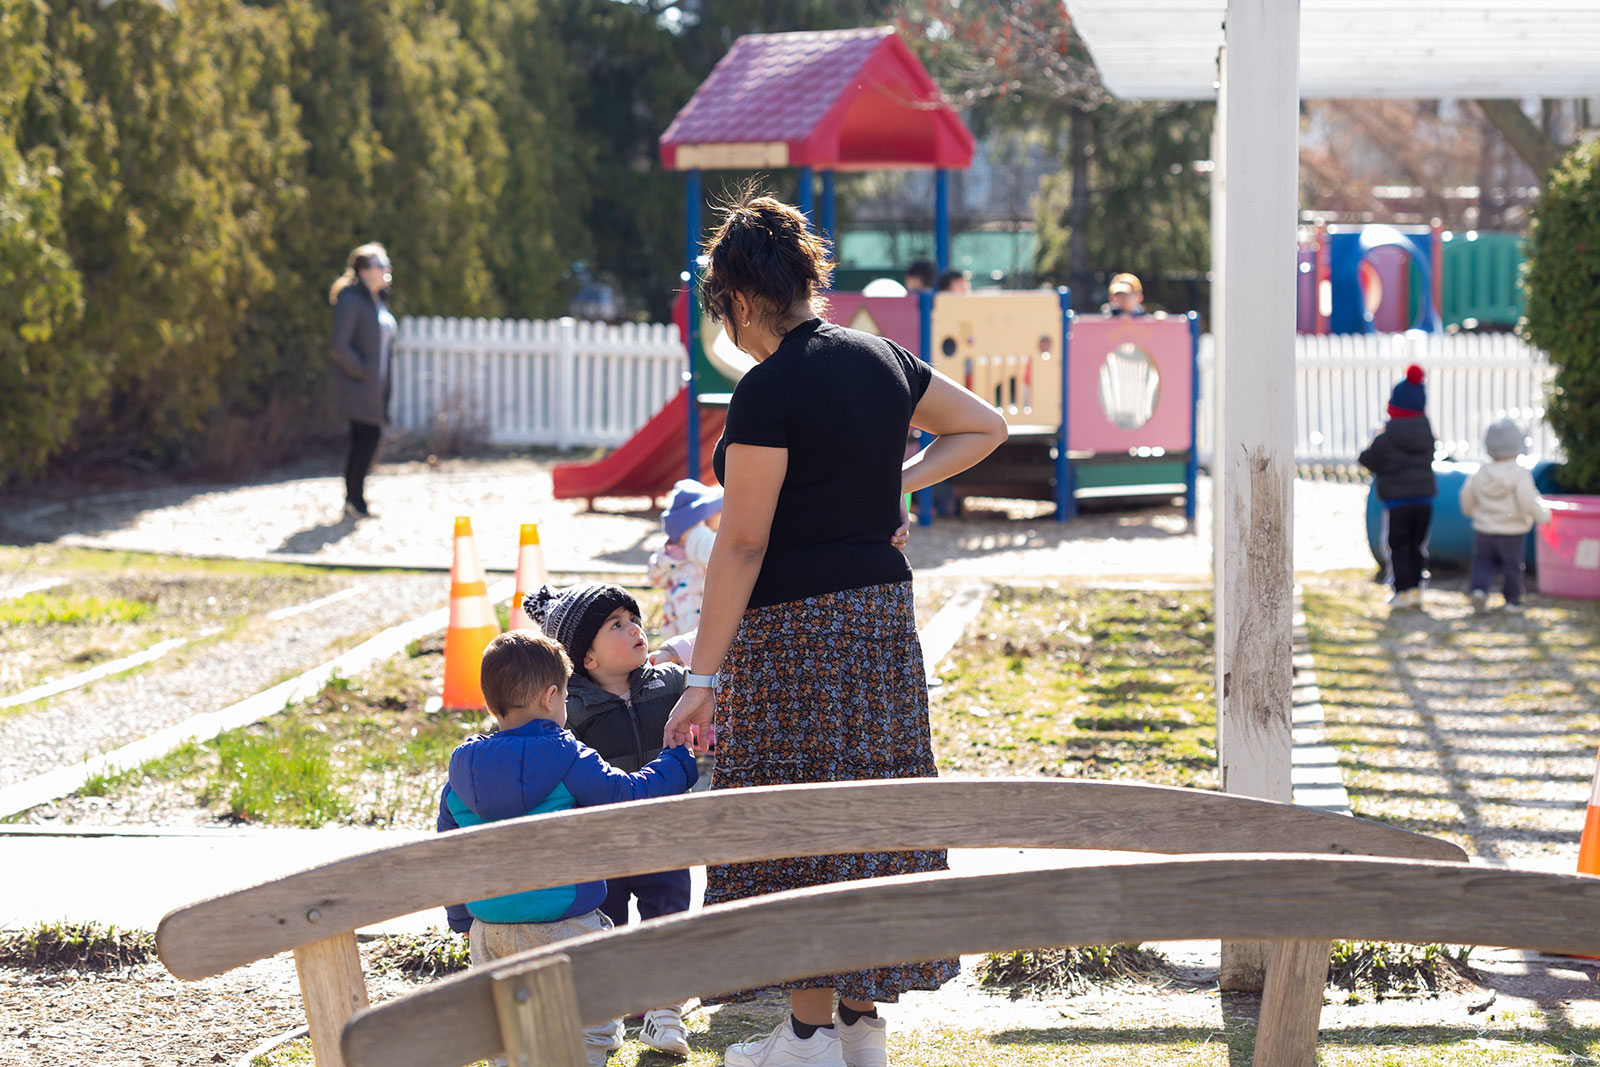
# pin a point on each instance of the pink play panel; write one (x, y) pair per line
(1569, 548)
(1129, 384)
(894, 317)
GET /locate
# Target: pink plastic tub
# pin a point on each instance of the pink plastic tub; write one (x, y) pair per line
(1569, 548)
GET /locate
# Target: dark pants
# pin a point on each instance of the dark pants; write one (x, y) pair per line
(1499, 554)
(363, 446)
(662, 893)
(1408, 543)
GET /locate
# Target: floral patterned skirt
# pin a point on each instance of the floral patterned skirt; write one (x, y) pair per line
(827, 689)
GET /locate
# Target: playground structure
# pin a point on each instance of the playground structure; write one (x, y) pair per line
(1389, 279)
(1116, 419)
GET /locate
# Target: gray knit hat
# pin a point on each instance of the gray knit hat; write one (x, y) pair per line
(574, 616)
(1505, 439)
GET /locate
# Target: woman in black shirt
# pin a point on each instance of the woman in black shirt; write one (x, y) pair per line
(807, 622)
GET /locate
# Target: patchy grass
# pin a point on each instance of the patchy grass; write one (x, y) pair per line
(1070, 972)
(117, 603)
(1475, 728)
(1387, 970)
(364, 751)
(76, 946)
(50, 609)
(430, 955)
(1082, 682)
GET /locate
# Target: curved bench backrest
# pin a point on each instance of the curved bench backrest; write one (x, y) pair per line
(752, 943)
(735, 826)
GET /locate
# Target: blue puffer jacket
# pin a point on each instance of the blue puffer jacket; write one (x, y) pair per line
(536, 768)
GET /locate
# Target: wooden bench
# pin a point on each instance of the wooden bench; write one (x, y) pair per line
(316, 912)
(533, 1005)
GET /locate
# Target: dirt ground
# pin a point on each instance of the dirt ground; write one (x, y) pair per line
(147, 1018)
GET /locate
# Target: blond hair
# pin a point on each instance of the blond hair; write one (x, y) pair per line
(359, 259)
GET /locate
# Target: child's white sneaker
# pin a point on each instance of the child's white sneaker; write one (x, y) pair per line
(783, 1048)
(663, 1030)
(1480, 601)
(864, 1043)
(1513, 606)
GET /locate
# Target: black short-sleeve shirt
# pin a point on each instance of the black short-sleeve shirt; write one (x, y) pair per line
(840, 401)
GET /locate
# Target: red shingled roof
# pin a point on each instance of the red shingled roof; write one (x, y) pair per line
(835, 99)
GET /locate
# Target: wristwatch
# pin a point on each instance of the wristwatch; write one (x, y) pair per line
(701, 681)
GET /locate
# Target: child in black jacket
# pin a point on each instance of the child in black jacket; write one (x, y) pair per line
(618, 704)
(1401, 458)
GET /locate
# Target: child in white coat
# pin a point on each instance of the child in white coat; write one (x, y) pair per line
(679, 567)
(1504, 505)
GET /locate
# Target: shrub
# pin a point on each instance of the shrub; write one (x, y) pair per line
(1562, 276)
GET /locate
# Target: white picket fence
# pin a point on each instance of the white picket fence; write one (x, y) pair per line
(1342, 384)
(586, 384)
(520, 382)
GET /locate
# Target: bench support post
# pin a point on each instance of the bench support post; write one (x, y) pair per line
(1291, 1004)
(537, 1005)
(333, 988)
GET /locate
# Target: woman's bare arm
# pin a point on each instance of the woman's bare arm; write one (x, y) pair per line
(966, 427)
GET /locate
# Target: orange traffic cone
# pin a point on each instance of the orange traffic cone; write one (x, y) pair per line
(472, 623)
(1589, 844)
(530, 575)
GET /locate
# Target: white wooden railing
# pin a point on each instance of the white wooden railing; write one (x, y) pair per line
(1342, 384)
(519, 382)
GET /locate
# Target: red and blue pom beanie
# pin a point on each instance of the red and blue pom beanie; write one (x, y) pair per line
(1408, 397)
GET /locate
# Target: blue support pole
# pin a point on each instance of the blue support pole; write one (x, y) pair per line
(941, 219)
(827, 212)
(924, 438)
(1192, 467)
(1066, 499)
(692, 259)
(808, 195)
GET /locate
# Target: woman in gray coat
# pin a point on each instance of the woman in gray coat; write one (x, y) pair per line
(363, 335)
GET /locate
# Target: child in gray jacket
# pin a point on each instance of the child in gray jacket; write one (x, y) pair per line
(1504, 505)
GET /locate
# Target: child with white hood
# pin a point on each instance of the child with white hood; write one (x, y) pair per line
(1504, 505)
(690, 523)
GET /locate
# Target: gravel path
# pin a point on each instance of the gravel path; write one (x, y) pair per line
(294, 515)
(205, 677)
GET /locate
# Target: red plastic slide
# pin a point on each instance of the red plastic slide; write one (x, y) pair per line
(649, 462)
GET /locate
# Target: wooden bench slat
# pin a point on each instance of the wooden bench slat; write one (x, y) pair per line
(733, 826)
(847, 926)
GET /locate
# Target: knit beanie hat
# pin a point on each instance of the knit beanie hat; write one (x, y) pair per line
(1408, 394)
(1504, 439)
(690, 504)
(574, 616)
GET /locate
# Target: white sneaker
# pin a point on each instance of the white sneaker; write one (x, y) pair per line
(1480, 601)
(782, 1047)
(1515, 607)
(864, 1043)
(664, 1031)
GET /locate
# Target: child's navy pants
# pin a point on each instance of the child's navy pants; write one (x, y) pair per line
(661, 893)
(1499, 554)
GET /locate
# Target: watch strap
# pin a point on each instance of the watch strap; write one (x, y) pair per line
(700, 681)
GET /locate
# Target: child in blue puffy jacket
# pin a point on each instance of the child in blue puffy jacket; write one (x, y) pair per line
(530, 765)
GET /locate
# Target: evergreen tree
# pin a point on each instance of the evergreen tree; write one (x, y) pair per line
(42, 379)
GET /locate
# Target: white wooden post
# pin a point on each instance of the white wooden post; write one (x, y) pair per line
(1258, 120)
(563, 376)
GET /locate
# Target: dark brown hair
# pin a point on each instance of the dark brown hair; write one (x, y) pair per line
(518, 666)
(765, 250)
